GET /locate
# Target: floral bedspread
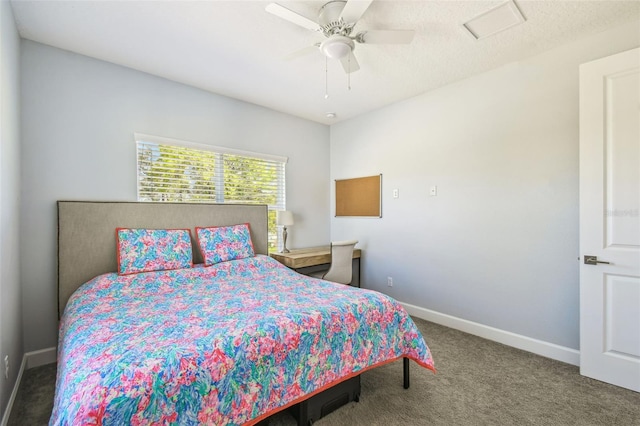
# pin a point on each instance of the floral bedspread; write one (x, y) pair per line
(226, 344)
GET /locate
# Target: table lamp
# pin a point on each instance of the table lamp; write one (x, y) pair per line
(284, 218)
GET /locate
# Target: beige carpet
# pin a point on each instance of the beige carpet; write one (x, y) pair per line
(478, 383)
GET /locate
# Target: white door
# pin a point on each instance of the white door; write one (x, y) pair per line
(610, 219)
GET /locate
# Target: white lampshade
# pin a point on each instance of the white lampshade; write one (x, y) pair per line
(337, 47)
(284, 218)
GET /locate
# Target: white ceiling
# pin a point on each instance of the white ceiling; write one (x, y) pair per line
(235, 48)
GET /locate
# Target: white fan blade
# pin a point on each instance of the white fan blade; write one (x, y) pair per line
(302, 52)
(354, 9)
(386, 36)
(291, 16)
(350, 63)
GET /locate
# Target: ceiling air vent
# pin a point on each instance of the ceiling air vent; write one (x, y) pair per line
(495, 20)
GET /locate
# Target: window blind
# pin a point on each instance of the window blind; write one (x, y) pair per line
(177, 171)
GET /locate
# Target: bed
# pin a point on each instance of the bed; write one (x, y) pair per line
(230, 343)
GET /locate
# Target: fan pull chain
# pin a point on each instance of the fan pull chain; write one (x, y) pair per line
(326, 78)
(349, 73)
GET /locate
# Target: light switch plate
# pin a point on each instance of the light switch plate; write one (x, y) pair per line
(434, 191)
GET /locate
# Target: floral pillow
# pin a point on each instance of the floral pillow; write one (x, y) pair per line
(146, 250)
(220, 244)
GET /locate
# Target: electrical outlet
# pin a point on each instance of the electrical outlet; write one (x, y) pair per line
(6, 366)
(389, 282)
(396, 193)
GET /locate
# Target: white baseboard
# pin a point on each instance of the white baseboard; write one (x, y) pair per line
(29, 360)
(539, 347)
(41, 357)
(14, 392)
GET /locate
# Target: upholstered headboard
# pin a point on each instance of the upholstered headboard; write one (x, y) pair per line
(87, 242)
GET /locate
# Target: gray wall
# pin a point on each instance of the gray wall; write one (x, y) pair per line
(10, 302)
(498, 245)
(79, 116)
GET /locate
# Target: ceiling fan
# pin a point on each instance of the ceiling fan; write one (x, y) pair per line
(336, 20)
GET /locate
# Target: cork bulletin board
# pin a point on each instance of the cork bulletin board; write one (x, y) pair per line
(359, 196)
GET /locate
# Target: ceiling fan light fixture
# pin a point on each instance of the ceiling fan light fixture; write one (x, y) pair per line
(337, 47)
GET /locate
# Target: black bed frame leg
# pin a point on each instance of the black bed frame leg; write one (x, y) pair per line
(405, 369)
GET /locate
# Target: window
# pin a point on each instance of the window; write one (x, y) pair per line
(177, 171)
